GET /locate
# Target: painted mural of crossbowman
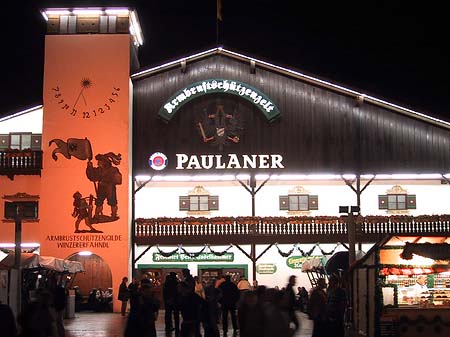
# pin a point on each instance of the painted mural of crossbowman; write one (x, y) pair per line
(105, 177)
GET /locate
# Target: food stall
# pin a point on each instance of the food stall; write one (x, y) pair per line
(36, 270)
(401, 287)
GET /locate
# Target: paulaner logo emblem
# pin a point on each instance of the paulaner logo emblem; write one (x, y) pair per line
(158, 161)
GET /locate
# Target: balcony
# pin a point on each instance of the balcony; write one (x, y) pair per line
(288, 230)
(20, 162)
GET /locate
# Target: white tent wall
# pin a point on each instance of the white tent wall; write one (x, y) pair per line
(28, 121)
(161, 199)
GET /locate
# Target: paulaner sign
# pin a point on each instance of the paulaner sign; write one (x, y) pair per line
(210, 86)
(230, 161)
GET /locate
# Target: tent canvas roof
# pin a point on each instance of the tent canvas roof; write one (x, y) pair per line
(33, 261)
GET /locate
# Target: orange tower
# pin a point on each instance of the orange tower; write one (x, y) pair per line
(85, 191)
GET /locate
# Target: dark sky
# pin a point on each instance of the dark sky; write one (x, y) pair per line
(394, 50)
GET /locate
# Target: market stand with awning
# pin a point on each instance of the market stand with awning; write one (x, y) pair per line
(386, 301)
(36, 261)
(35, 271)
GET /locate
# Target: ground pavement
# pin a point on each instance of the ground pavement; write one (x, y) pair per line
(90, 324)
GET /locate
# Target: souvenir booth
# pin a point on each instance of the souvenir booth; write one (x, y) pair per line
(401, 287)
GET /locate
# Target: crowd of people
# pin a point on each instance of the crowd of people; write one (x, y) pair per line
(201, 309)
(197, 309)
(100, 300)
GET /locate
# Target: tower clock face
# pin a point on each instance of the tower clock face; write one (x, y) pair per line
(84, 99)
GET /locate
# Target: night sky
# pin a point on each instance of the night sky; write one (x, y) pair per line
(394, 50)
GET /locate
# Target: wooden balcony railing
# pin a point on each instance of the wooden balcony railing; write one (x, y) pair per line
(282, 230)
(20, 162)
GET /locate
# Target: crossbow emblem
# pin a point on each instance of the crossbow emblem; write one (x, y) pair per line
(220, 128)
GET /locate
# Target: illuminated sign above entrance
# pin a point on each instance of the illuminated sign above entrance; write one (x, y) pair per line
(232, 161)
(222, 86)
(218, 161)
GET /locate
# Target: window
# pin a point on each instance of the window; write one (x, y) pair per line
(200, 203)
(20, 141)
(30, 209)
(397, 201)
(299, 202)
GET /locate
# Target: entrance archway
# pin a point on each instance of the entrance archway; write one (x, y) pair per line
(97, 274)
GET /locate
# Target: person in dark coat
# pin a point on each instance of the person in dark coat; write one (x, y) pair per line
(60, 303)
(37, 318)
(211, 309)
(143, 314)
(251, 317)
(171, 299)
(318, 309)
(188, 278)
(336, 304)
(302, 299)
(289, 302)
(191, 306)
(230, 296)
(7, 321)
(123, 295)
(133, 289)
(277, 320)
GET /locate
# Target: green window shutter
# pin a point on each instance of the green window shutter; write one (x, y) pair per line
(411, 201)
(213, 202)
(313, 201)
(284, 203)
(382, 202)
(184, 203)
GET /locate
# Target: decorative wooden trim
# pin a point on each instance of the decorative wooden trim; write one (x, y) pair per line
(298, 190)
(397, 189)
(199, 190)
(23, 220)
(21, 196)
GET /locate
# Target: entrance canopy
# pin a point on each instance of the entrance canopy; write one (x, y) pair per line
(36, 261)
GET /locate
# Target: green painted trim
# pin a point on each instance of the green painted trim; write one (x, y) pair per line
(223, 266)
(203, 257)
(155, 265)
(222, 86)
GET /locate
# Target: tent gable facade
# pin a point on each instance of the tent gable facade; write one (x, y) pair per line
(331, 131)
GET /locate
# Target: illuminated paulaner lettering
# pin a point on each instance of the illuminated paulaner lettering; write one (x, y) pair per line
(231, 161)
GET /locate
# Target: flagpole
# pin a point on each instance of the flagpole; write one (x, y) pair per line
(218, 18)
(217, 32)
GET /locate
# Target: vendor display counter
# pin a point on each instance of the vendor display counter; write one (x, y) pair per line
(401, 288)
(412, 321)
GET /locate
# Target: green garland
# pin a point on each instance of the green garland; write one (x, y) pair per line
(181, 249)
(305, 253)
